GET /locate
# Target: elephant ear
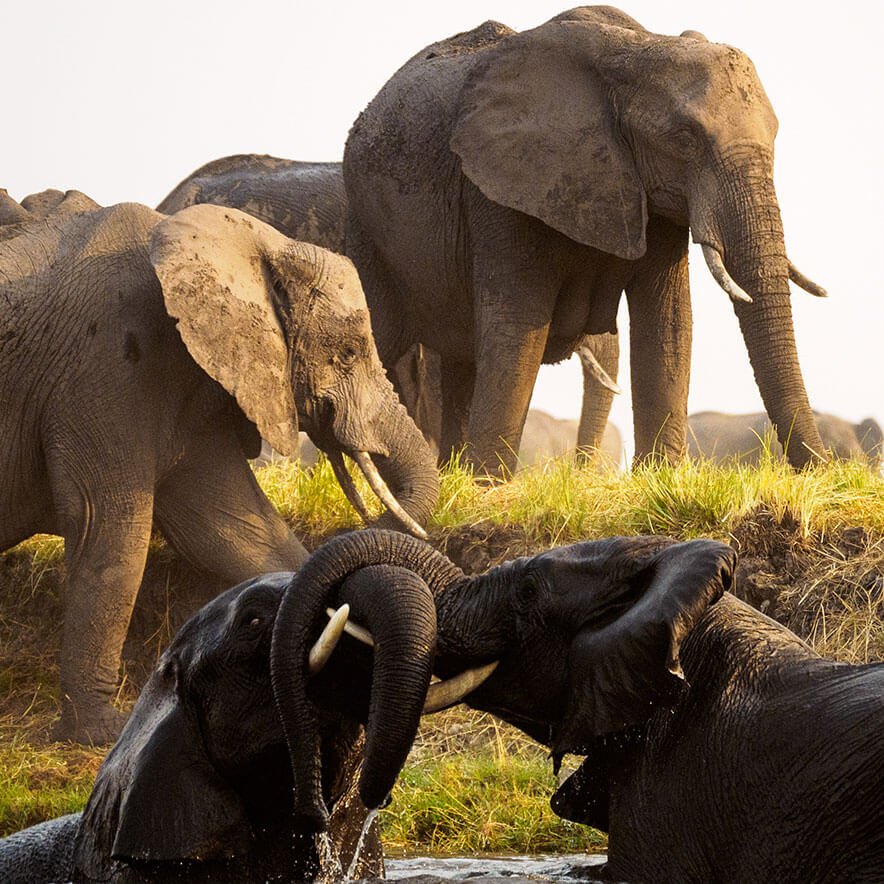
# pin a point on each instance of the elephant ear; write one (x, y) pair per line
(536, 132)
(219, 269)
(630, 664)
(157, 797)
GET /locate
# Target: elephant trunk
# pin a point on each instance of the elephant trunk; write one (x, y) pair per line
(409, 469)
(597, 395)
(298, 621)
(754, 255)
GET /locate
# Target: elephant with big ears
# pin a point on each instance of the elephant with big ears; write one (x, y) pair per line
(506, 188)
(140, 358)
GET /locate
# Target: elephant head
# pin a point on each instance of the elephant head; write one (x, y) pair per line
(579, 641)
(632, 125)
(200, 776)
(283, 326)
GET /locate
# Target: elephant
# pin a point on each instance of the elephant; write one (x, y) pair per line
(741, 437)
(305, 201)
(142, 358)
(39, 206)
(199, 784)
(505, 188)
(719, 746)
(545, 436)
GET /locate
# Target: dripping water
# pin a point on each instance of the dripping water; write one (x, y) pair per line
(372, 816)
(330, 868)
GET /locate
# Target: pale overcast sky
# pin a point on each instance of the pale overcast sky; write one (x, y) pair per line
(123, 100)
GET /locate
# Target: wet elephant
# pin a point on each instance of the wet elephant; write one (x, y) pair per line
(199, 785)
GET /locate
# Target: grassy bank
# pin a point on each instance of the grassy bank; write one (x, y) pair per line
(811, 554)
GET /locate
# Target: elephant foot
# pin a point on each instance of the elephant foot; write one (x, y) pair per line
(95, 723)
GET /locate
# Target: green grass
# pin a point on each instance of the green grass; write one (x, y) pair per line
(816, 537)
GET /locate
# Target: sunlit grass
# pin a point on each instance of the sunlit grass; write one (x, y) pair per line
(470, 784)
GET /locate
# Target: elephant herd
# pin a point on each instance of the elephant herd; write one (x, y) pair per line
(145, 354)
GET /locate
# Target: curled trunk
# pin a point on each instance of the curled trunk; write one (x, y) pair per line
(299, 620)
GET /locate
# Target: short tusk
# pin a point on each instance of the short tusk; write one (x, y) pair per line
(807, 284)
(327, 642)
(360, 633)
(348, 486)
(379, 486)
(443, 694)
(721, 276)
(594, 368)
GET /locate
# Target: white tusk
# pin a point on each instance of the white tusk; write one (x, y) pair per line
(446, 693)
(348, 486)
(327, 642)
(807, 284)
(593, 367)
(721, 276)
(360, 633)
(379, 486)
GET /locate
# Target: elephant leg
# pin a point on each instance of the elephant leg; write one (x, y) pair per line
(456, 388)
(211, 509)
(658, 296)
(597, 399)
(106, 532)
(511, 333)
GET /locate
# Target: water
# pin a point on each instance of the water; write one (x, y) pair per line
(329, 863)
(372, 815)
(568, 868)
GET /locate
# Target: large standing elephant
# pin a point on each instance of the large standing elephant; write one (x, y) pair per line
(199, 785)
(140, 358)
(742, 437)
(505, 188)
(719, 746)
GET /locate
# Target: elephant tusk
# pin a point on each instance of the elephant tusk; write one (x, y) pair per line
(379, 486)
(446, 693)
(721, 276)
(327, 642)
(348, 486)
(807, 284)
(360, 633)
(594, 368)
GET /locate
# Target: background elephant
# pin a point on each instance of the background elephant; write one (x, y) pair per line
(719, 746)
(199, 784)
(545, 436)
(38, 206)
(505, 188)
(719, 436)
(137, 357)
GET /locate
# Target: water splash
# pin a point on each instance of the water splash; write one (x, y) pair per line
(330, 869)
(369, 819)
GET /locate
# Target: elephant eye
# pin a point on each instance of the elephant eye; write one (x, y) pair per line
(347, 357)
(255, 621)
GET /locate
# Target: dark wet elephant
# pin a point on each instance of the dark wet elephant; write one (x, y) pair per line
(505, 188)
(140, 357)
(199, 785)
(719, 436)
(719, 746)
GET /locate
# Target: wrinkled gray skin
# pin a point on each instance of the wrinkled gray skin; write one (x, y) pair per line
(587, 635)
(719, 436)
(770, 768)
(545, 436)
(643, 140)
(764, 762)
(113, 415)
(199, 784)
(305, 201)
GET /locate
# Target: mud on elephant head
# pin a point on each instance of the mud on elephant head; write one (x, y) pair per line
(140, 358)
(199, 784)
(557, 168)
